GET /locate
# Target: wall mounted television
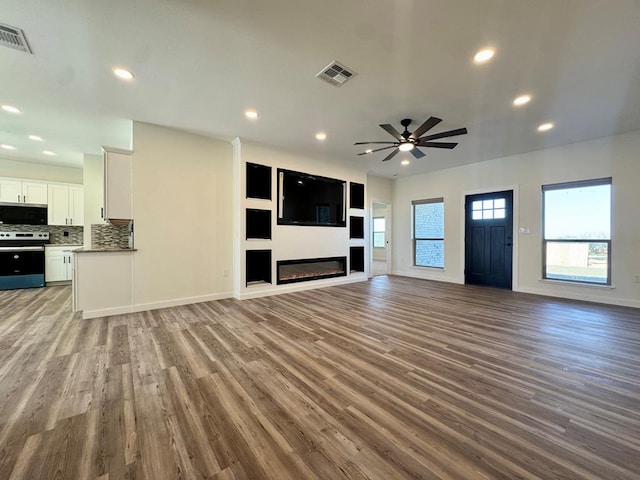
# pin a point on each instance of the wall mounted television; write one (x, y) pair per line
(305, 199)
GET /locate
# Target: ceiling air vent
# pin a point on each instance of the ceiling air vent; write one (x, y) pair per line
(13, 37)
(336, 74)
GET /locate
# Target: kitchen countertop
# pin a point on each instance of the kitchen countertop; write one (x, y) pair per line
(97, 249)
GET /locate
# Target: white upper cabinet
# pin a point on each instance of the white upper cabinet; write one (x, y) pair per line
(23, 191)
(66, 204)
(118, 194)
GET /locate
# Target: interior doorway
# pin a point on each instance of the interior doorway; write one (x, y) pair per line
(380, 241)
(489, 239)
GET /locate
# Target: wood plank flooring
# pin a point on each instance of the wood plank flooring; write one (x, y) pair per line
(388, 379)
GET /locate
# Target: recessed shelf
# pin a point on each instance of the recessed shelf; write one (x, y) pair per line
(356, 259)
(258, 224)
(356, 195)
(356, 227)
(258, 181)
(258, 266)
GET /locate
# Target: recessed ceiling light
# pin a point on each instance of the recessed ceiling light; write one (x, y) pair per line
(251, 114)
(49, 152)
(368, 150)
(405, 162)
(522, 100)
(321, 135)
(10, 109)
(36, 138)
(406, 147)
(545, 127)
(484, 55)
(123, 74)
(7, 147)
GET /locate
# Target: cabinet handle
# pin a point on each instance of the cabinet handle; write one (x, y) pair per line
(71, 221)
(101, 212)
(64, 259)
(18, 198)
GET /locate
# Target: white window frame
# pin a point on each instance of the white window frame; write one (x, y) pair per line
(374, 231)
(415, 239)
(546, 241)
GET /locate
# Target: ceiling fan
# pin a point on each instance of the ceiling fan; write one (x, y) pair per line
(408, 142)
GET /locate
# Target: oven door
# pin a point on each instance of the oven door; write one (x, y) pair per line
(21, 267)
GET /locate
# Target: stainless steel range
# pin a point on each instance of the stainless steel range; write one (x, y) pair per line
(22, 259)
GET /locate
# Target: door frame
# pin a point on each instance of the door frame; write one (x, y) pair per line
(387, 235)
(515, 286)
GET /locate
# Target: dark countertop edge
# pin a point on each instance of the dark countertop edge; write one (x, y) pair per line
(104, 250)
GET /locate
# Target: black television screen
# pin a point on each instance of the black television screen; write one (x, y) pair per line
(305, 199)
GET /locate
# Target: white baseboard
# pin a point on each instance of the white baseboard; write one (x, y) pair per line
(435, 275)
(106, 312)
(143, 307)
(260, 291)
(585, 297)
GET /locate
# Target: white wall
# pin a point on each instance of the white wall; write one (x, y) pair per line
(182, 197)
(39, 171)
(290, 241)
(93, 193)
(617, 157)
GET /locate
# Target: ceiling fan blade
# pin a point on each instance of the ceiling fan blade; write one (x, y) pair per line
(448, 145)
(369, 143)
(426, 126)
(393, 132)
(377, 150)
(450, 133)
(391, 155)
(417, 153)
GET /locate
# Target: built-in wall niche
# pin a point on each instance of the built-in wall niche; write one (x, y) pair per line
(258, 223)
(356, 227)
(258, 181)
(356, 195)
(356, 259)
(258, 267)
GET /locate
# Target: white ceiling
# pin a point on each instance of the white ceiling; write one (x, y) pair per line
(200, 63)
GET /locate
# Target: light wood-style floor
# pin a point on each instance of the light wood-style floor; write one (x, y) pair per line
(387, 379)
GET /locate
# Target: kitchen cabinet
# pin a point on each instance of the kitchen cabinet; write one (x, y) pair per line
(23, 191)
(59, 262)
(118, 185)
(66, 204)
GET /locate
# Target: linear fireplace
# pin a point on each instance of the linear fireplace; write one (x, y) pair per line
(290, 271)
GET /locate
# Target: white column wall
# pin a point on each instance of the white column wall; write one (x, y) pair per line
(183, 219)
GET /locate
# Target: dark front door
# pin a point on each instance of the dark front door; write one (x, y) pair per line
(489, 239)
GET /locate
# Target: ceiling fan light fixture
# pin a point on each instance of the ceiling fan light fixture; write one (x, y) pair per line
(11, 109)
(522, 100)
(484, 55)
(123, 74)
(406, 146)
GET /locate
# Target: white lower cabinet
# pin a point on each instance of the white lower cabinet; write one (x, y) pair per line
(59, 263)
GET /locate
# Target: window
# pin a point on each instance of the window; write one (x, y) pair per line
(577, 231)
(428, 232)
(378, 232)
(488, 209)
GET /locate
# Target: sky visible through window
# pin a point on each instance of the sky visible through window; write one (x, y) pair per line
(578, 213)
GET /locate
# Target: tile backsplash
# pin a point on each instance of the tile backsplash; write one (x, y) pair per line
(109, 235)
(58, 234)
